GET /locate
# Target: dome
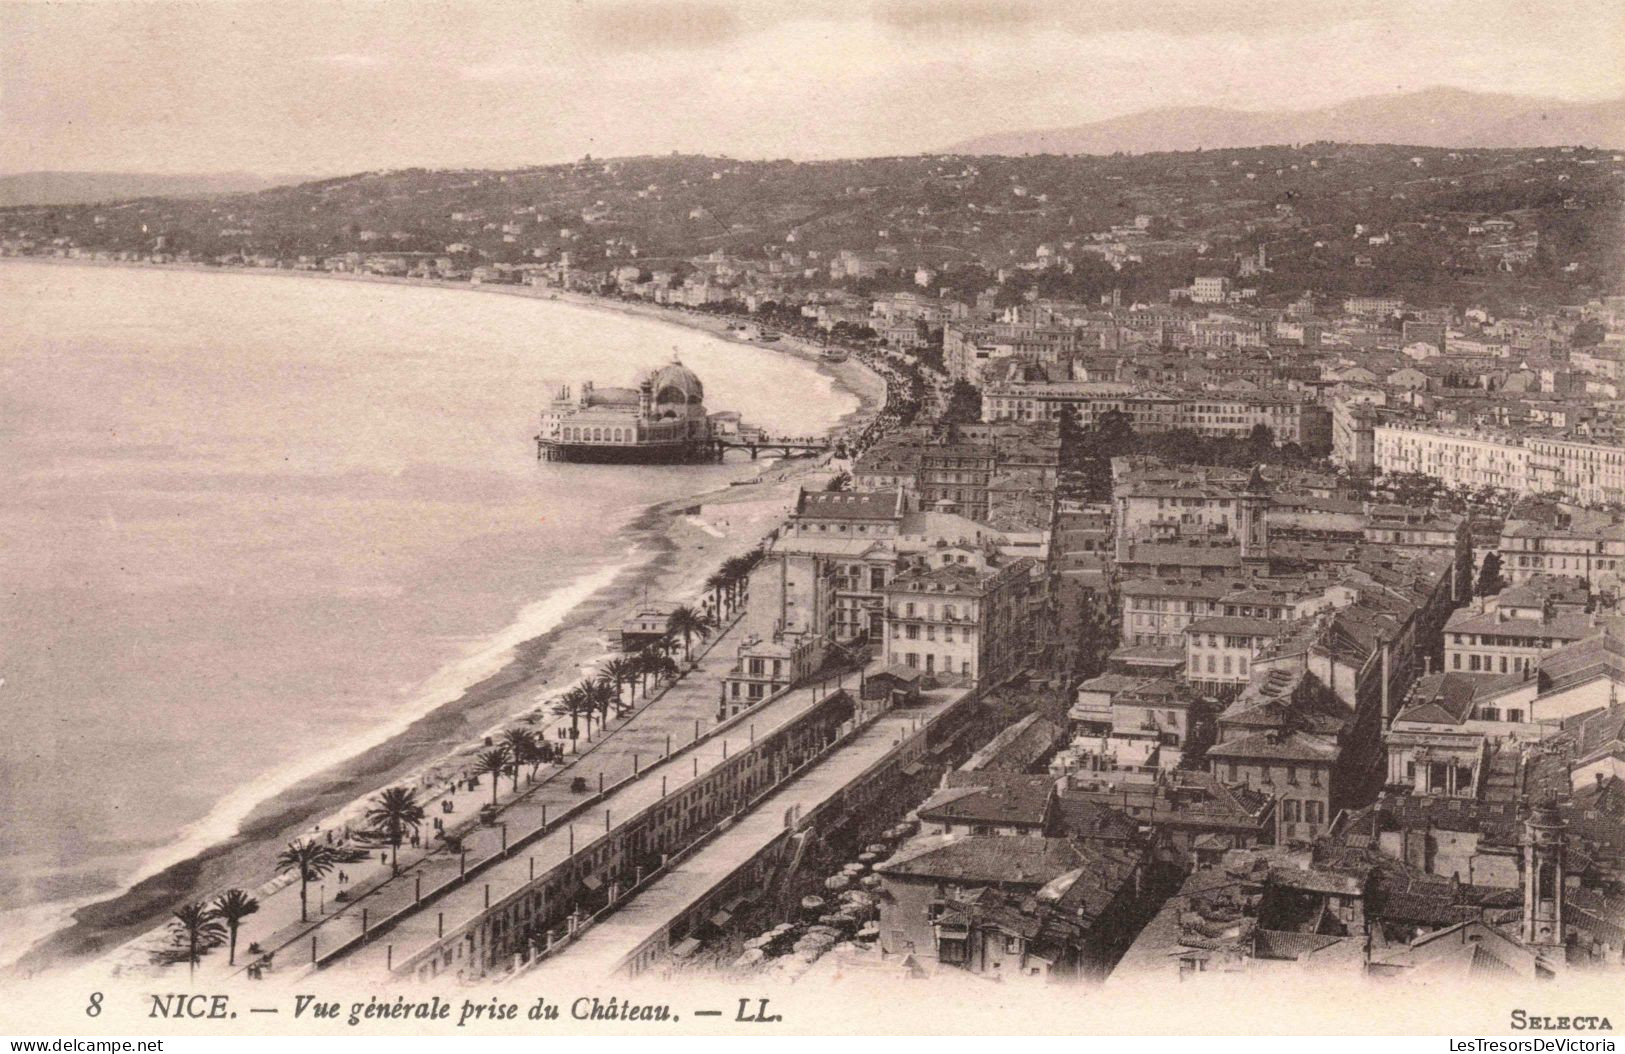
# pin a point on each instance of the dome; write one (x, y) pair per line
(676, 384)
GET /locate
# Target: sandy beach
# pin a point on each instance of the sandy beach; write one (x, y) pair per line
(680, 543)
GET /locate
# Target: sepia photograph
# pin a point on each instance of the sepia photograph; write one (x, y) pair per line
(660, 518)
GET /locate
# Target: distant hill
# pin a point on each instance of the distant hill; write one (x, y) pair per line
(1439, 117)
(77, 188)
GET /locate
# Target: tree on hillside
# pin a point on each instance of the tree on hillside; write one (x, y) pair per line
(964, 404)
(1260, 443)
(1490, 581)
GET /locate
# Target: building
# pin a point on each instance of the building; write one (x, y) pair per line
(1210, 289)
(1256, 911)
(646, 624)
(1509, 632)
(1285, 736)
(992, 803)
(1219, 651)
(1588, 472)
(1291, 417)
(1194, 817)
(1539, 539)
(954, 477)
(1012, 908)
(660, 421)
(1373, 306)
(1456, 457)
(960, 617)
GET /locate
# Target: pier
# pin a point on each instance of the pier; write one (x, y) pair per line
(784, 447)
(713, 449)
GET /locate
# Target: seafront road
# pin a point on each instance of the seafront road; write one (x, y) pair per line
(683, 710)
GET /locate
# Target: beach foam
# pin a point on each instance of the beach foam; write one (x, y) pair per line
(24, 927)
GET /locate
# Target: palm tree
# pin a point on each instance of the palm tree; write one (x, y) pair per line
(233, 906)
(494, 762)
(661, 665)
(605, 694)
(572, 704)
(689, 624)
(644, 661)
(716, 584)
(621, 671)
(312, 860)
(394, 812)
(198, 926)
(736, 569)
(520, 744)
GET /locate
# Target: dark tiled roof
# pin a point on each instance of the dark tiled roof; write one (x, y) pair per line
(1600, 655)
(849, 505)
(1019, 860)
(1447, 698)
(990, 797)
(1269, 746)
(1091, 820)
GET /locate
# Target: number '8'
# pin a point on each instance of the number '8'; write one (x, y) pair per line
(95, 1007)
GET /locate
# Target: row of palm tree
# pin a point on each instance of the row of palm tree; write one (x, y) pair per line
(196, 928)
(727, 584)
(396, 811)
(614, 687)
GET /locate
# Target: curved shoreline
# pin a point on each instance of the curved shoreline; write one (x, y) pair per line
(849, 375)
(680, 556)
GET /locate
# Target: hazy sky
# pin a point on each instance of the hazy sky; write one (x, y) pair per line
(337, 85)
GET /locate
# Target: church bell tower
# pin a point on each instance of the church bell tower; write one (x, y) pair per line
(1543, 876)
(1252, 508)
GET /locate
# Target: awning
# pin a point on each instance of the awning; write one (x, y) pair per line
(913, 768)
(684, 948)
(721, 919)
(592, 883)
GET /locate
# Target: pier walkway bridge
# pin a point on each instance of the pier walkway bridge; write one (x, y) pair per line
(784, 446)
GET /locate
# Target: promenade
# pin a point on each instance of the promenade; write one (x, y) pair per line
(641, 924)
(657, 777)
(683, 710)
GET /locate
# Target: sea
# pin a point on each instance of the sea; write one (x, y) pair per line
(255, 523)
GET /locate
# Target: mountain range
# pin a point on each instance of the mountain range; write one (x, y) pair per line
(78, 188)
(1436, 117)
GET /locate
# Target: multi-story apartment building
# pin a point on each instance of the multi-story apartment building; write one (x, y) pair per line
(1586, 546)
(1589, 472)
(1292, 417)
(1284, 736)
(1219, 650)
(1508, 634)
(1381, 306)
(958, 616)
(953, 477)
(1456, 457)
